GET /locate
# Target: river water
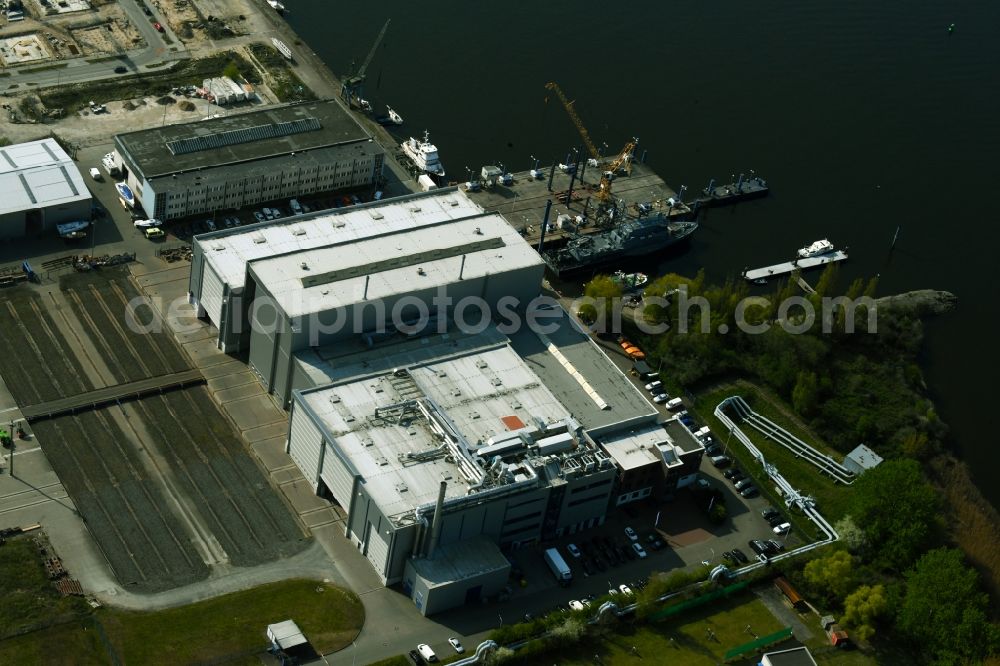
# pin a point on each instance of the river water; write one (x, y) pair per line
(863, 116)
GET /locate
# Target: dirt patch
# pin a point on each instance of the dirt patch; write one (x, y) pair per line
(112, 32)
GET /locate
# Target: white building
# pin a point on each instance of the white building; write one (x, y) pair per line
(352, 267)
(40, 187)
(247, 159)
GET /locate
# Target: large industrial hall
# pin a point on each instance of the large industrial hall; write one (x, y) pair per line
(445, 445)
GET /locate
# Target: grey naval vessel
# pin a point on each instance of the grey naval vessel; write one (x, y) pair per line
(632, 238)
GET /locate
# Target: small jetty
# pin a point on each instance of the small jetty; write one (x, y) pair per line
(742, 189)
(784, 268)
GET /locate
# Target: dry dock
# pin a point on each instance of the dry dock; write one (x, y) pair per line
(787, 267)
(523, 202)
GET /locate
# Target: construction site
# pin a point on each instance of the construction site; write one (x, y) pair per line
(61, 30)
(159, 475)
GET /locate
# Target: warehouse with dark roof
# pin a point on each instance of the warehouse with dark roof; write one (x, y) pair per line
(242, 160)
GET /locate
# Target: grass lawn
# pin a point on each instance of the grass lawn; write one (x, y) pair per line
(227, 629)
(73, 643)
(233, 625)
(727, 619)
(29, 599)
(832, 499)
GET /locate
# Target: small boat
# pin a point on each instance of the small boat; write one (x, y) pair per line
(819, 247)
(365, 105)
(276, 6)
(394, 117)
(72, 230)
(630, 280)
(760, 281)
(125, 194)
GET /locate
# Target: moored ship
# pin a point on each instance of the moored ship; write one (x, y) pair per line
(424, 155)
(631, 238)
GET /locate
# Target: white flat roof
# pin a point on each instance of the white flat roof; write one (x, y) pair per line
(38, 174)
(476, 391)
(413, 259)
(636, 447)
(229, 251)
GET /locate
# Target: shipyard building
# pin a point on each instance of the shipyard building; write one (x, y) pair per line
(247, 159)
(40, 187)
(446, 445)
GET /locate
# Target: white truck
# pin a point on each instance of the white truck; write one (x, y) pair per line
(426, 183)
(558, 566)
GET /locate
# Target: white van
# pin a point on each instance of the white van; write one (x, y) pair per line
(95, 174)
(426, 652)
(674, 403)
(295, 206)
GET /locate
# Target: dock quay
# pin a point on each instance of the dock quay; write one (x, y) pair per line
(787, 267)
(742, 189)
(523, 202)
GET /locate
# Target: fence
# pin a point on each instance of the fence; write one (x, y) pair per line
(758, 643)
(699, 601)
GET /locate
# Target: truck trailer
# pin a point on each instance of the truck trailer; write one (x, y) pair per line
(558, 566)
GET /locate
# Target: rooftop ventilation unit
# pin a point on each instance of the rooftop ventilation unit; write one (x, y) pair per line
(334, 398)
(259, 239)
(304, 266)
(299, 232)
(376, 215)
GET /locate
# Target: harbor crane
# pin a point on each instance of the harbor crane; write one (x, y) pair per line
(622, 161)
(353, 87)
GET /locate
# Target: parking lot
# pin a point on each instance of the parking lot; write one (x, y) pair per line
(164, 484)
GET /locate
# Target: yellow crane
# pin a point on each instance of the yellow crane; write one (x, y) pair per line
(554, 87)
(623, 160)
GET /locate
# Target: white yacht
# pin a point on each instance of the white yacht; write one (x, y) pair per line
(423, 154)
(819, 247)
(394, 117)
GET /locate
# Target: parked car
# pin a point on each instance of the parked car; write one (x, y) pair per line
(575, 605)
(417, 659)
(654, 541)
(159, 28)
(703, 484)
(259, 216)
(457, 644)
(769, 513)
(757, 546)
(625, 589)
(732, 473)
(654, 387)
(426, 652)
(775, 520)
(95, 174)
(782, 528)
(713, 450)
(721, 461)
(736, 478)
(742, 483)
(155, 233)
(749, 491)
(146, 224)
(774, 547)
(630, 533)
(639, 550)
(740, 555)
(210, 224)
(120, 69)
(660, 398)
(295, 206)
(573, 550)
(674, 403)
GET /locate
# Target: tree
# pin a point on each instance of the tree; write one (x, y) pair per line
(944, 609)
(806, 393)
(852, 535)
(896, 508)
(606, 296)
(863, 608)
(232, 70)
(832, 575)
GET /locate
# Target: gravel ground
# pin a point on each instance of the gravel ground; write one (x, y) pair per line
(107, 471)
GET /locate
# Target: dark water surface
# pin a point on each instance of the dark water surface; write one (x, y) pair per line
(862, 116)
